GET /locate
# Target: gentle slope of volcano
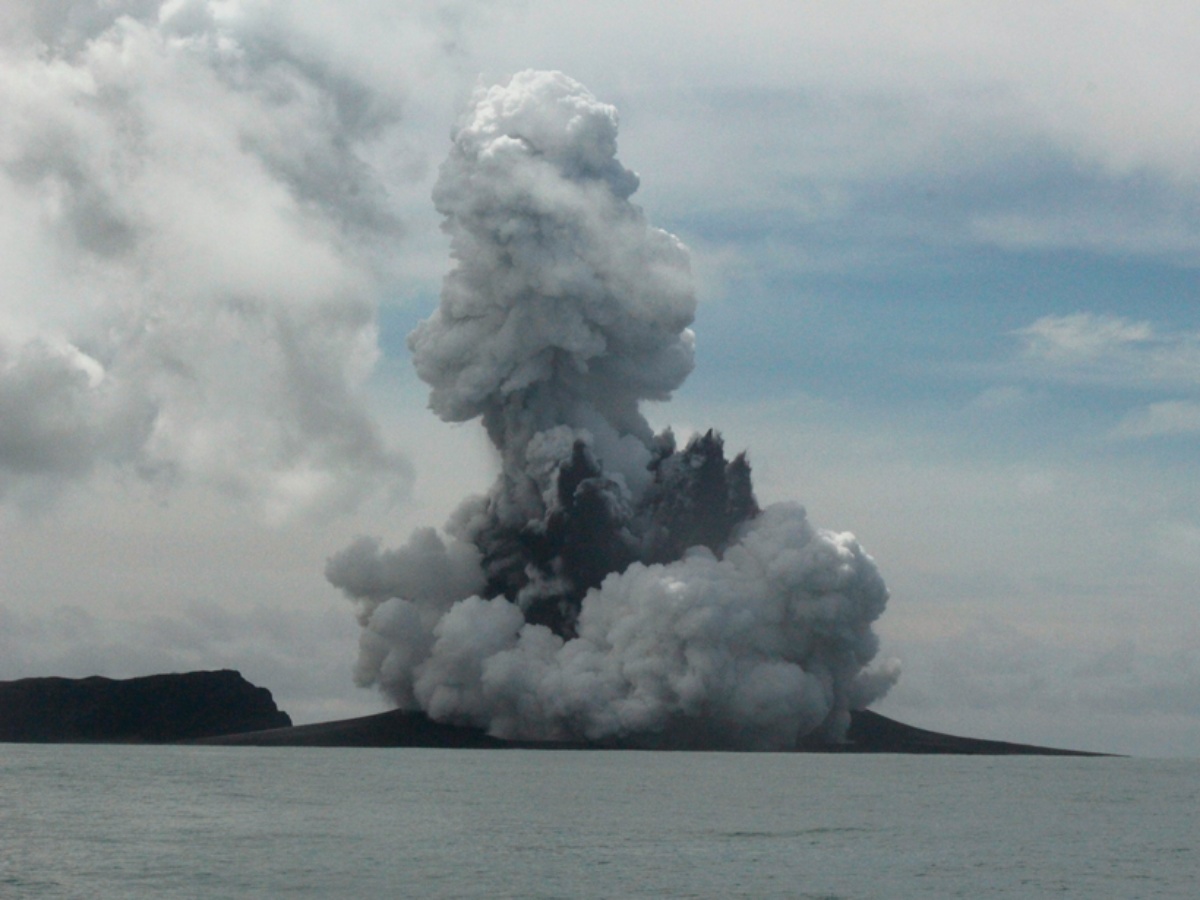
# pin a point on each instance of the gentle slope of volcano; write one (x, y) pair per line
(869, 733)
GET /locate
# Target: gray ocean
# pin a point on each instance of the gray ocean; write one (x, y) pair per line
(110, 821)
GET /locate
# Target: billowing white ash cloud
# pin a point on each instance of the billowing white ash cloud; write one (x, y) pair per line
(610, 585)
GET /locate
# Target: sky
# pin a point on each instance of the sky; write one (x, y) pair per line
(946, 264)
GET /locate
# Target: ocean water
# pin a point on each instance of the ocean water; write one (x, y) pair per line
(213, 822)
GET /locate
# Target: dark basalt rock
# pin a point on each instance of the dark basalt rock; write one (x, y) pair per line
(153, 709)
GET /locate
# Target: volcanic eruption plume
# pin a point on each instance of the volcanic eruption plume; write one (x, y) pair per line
(611, 585)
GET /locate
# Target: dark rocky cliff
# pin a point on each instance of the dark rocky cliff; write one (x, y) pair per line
(153, 709)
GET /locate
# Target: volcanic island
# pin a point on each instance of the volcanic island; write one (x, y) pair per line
(222, 708)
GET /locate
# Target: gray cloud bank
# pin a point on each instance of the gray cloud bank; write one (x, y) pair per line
(192, 219)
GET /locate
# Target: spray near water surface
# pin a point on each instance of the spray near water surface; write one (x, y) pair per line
(611, 585)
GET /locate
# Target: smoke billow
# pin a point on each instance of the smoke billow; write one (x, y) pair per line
(611, 585)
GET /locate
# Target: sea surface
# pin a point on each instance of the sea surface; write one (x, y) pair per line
(212, 822)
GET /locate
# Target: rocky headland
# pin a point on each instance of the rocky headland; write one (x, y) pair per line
(153, 709)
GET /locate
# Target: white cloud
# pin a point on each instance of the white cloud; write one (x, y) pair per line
(1083, 336)
(1163, 419)
(1105, 349)
(200, 229)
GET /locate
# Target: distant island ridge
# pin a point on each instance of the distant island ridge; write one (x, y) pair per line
(223, 708)
(153, 709)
